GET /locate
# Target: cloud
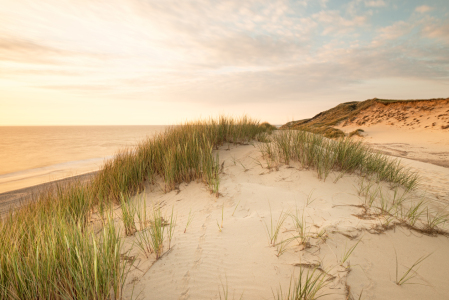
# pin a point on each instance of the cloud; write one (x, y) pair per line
(375, 3)
(323, 3)
(9, 72)
(437, 29)
(335, 23)
(423, 9)
(19, 50)
(87, 88)
(28, 51)
(394, 31)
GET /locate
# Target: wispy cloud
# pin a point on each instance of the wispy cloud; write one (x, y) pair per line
(423, 9)
(394, 31)
(375, 3)
(335, 23)
(26, 51)
(437, 30)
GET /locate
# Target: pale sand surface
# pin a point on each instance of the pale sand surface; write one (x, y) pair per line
(203, 259)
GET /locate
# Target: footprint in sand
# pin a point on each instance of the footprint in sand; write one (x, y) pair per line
(185, 280)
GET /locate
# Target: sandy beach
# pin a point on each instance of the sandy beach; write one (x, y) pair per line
(225, 248)
(205, 259)
(40, 176)
(13, 199)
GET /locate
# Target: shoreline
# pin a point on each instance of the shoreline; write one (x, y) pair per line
(16, 198)
(13, 197)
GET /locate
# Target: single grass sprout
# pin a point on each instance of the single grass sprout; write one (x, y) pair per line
(128, 214)
(143, 242)
(275, 227)
(223, 291)
(434, 220)
(281, 247)
(410, 273)
(189, 220)
(236, 208)
(171, 228)
(156, 231)
(309, 198)
(301, 227)
(347, 253)
(307, 286)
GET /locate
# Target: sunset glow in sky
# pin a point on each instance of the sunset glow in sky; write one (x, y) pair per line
(68, 62)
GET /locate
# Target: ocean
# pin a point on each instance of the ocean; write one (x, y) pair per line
(31, 155)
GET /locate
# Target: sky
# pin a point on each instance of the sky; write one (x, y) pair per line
(139, 62)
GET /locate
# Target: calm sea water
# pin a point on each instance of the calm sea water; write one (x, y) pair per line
(36, 154)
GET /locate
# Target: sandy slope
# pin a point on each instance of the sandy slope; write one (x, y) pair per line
(429, 114)
(203, 260)
(418, 131)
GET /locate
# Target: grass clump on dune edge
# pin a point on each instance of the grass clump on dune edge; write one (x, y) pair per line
(182, 154)
(347, 156)
(49, 251)
(343, 155)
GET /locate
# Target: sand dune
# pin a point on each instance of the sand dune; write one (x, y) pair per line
(430, 114)
(205, 259)
(418, 131)
(359, 252)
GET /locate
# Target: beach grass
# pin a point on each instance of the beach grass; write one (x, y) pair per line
(129, 212)
(344, 155)
(347, 252)
(301, 227)
(410, 273)
(275, 227)
(189, 220)
(49, 250)
(172, 226)
(308, 286)
(157, 233)
(53, 257)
